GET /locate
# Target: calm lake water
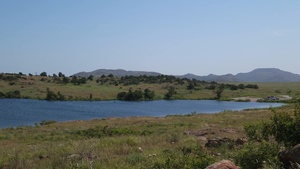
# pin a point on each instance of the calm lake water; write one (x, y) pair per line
(18, 112)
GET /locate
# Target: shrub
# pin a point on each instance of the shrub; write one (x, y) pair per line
(43, 74)
(2, 95)
(189, 157)
(135, 158)
(171, 92)
(47, 122)
(254, 155)
(13, 94)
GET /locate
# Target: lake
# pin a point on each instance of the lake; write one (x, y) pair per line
(18, 112)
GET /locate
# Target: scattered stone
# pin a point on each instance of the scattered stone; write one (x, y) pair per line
(289, 157)
(217, 142)
(202, 139)
(199, 133)
(41, 157)
(240, 141)
(224, 164)
(228, 130)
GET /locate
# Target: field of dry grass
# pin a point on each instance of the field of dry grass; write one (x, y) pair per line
(137, 142)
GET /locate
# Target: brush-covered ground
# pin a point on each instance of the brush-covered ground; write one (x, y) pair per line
(137, 142)
(107, 88)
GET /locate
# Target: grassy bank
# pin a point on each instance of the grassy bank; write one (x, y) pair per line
(35, 87)
(137, 142)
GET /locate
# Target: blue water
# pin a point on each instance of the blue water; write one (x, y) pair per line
(18, 112)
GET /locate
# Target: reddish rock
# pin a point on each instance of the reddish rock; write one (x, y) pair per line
(290, 156)
(240, 141)
(217, 142)
(202, 139)
(224, 164)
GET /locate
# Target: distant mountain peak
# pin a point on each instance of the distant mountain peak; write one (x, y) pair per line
(115, 72)
(256, 75)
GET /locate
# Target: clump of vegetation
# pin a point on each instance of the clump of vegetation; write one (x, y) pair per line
(136, 95)
(51, 96)
(187, 157)
(47, 122)
(170, 94)
(283, 128)
(98, 132)
(11, 94)
(254, 155)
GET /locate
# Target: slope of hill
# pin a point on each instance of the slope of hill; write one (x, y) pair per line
(117, 72)
(268, 75)
(257, 75)
(212, 77)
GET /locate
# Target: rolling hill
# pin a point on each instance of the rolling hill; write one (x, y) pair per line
(115, 72)
(257, 75)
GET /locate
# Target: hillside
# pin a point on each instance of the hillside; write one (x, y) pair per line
(268, 75)
(257, 75)
(116, 72)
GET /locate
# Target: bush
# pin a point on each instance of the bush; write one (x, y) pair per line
(13, 94)
(2, 95)
(51, 96)
(98, 132)
(135, 158)
(189, 157)
(47, 122)
(136, 95)
(43, 74)
(170, 94)
(254, 155)
(251, 86)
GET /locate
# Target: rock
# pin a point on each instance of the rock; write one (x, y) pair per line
(202, 139)
(240, 141)
(289, 157)
(224, 164)
(217, 142)
(199, 133)
(228, 130)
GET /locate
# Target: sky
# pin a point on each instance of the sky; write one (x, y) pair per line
(172, 37)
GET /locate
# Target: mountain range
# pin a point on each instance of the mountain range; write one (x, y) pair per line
(257, 75)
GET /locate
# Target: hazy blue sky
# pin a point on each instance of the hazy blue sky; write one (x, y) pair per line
(166, 36)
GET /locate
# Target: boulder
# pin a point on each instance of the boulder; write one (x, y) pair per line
(217, 142)
(224, 164)
(240, 141)
(202, 139)
(289, 157)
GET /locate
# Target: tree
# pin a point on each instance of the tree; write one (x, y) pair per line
(61, 75)
(148, 94)
(91, 77)
(2, 95)
(66, 80)
(220, 91)
(191, 86)
(51, 95)
(131, 95)
(171, 92)
(43, 74)
(241, 86)
(13, 94)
